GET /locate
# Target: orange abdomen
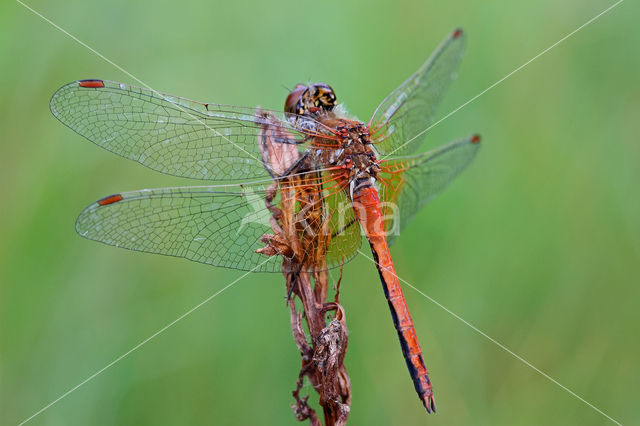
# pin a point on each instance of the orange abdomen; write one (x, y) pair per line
(368, 210)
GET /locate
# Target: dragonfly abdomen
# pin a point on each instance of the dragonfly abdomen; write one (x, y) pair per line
(369, 213)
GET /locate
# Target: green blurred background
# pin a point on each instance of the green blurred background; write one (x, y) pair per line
(537, 243)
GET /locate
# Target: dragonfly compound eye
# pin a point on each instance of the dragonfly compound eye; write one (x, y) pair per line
(310, 100)
(294, 103)
(323, 96)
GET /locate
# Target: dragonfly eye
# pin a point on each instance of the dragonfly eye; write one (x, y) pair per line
(323, 96)
(294, 103)
(311, 99)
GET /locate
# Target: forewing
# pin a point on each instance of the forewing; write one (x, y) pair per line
(408, 183)
(220, 226)
(401, 120)
(173, 135)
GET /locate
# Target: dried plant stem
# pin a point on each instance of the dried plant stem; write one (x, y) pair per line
(301, 235)
(323, 350)
(322, 360)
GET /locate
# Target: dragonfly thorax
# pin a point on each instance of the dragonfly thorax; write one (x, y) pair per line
(360, 161)
(352, 154)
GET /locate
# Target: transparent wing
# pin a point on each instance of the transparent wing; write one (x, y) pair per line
(173, 135)
(213, 225)
(345, 239)
(408, 183)
(216, 225)
(401, 119)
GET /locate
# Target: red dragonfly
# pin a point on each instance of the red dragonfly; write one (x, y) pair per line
(350, 178)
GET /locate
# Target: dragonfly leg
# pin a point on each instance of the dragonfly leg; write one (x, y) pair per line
(294, 281)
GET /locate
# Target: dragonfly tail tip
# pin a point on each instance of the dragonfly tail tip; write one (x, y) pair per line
(429, 403)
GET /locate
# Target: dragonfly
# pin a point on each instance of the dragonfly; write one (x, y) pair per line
(348, 180)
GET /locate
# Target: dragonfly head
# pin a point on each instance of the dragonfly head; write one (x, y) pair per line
(311, 100)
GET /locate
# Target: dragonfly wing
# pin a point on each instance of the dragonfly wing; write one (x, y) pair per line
(172, 135)
(215, 225)
(408, 183)
(344, 227)
(400, 121)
